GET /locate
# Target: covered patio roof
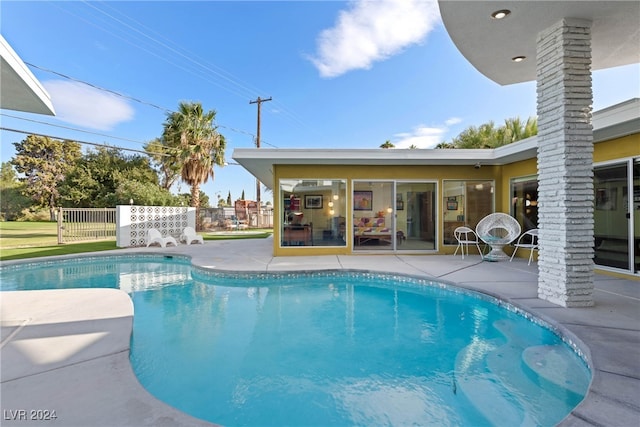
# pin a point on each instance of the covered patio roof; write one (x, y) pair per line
(612, 122)
(490, 44)
(19, 89)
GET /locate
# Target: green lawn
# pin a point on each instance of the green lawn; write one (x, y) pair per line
(19, 240)
(27, 234)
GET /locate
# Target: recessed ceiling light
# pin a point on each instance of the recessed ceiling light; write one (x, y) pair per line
(500, 14)
(518, 58)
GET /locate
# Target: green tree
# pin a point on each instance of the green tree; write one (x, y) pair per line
(45, 163)
(387, 144)
(12, 199)
(490, 136)
(102, 177)
(200, 146)
(445, 145)
(484, 136)
(144, 193)
(164, 157)
(229, 199)
(242, 196)
(516, 130)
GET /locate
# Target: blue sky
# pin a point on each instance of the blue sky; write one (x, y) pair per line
(341, 74)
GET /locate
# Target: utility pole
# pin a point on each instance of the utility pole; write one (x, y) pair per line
(258, 101)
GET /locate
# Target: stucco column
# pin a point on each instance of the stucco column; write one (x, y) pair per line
(565, 164)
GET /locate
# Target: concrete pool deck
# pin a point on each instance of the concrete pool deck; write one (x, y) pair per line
(68, 350)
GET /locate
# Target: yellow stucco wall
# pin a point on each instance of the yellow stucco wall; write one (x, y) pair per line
(359, 172)
(619, 148)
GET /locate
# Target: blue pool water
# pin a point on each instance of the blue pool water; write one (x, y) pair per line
(328, 348)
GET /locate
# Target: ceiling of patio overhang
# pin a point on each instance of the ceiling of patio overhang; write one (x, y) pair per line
(19, 89)
(490, 44)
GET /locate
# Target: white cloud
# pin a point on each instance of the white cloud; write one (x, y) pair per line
(372, 31)
(420, 137)
(453, 121)
(86, 106)
(424, 136)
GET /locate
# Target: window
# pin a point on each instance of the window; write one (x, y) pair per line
(314, 212)
(465, 203)
(524, 201)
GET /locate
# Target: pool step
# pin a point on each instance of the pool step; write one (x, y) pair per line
(505, 383)
(546, 363)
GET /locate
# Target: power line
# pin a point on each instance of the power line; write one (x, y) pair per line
(25, 132)
(70, 128)
(164, 109)
(137, 34)
(113, 92)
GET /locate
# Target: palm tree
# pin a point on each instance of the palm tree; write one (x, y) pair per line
(387, 144)
(489, 136)
(199, 145)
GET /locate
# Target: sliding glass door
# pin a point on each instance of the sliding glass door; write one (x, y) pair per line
(416, 215)
(617, 215)
(394, 216)
(373, 216)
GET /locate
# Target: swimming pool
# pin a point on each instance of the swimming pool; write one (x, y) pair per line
(328, 348)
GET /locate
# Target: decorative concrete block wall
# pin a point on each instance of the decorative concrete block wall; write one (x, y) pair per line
(565, 164)
(133, 222)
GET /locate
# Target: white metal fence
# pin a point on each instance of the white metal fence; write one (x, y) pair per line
(81, 224)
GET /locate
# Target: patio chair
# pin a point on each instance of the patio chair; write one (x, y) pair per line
(497, 230)
(189, 236)
(465, 237)
(528, 240)
(154, 236)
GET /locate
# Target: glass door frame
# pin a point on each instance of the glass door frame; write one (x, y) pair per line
(632, 205)
(394, 205)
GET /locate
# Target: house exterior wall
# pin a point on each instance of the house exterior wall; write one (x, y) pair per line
(618, 148)
(391, 173)
(614, 149)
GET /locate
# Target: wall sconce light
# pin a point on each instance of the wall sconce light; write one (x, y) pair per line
(331, 212)
(330, 204)
(389, 209)
(335, 197)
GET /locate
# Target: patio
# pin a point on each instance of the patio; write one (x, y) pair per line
(90, 382)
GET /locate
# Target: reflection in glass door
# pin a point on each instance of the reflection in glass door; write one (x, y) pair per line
(373, 216)
(415, 215)
(394, 216)
(635, 216)
(616, 215)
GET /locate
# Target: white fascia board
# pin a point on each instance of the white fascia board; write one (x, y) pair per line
(616, 114)
(368, 156)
